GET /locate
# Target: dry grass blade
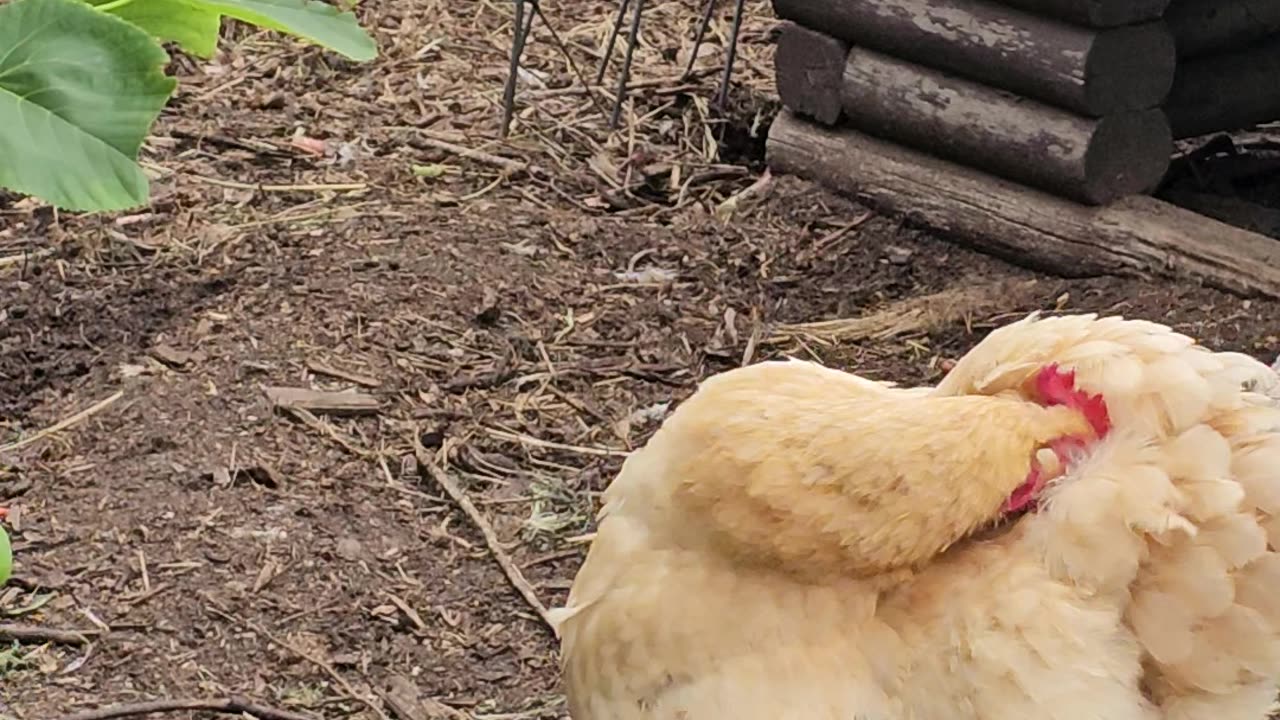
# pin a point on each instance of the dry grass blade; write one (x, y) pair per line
(551, 445)
(64, 423)
(920, 314)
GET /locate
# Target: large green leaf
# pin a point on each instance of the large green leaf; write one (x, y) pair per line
(79, 89)
(319, 22)
(193, 27)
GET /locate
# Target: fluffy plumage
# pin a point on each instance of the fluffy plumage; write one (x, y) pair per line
(1176, 516)
(797, 542)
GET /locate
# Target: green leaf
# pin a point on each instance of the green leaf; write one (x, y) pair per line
(6, 557)
(430, 172)
(193, 27)
(79, 90)
(318, 22)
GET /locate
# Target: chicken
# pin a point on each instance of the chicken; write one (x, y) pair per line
(799, 542)
(1196, 474)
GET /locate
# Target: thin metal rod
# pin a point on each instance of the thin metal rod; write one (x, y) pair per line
(707, 11)
(625, 75)
(722, 97)
(568, 56)
(522, 30)
(612, 41)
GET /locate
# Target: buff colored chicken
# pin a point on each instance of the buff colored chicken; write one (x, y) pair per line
(1076, 523)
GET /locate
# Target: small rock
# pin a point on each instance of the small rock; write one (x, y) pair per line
(899, 255)
(349, 549)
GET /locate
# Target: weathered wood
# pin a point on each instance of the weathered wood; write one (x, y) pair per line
(1135, 236)
(1201, 27)
(1096, 13)
(808, 67)
(320, 402)
(1090, 160)
(1229, 91)
(1091, 72)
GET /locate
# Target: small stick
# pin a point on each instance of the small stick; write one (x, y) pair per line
(320, 368)
(233, 705)
(507, 164)
(37, 634)
(23, 258)
(341, 682)
(509, 568)
(306, 418)
(63, 424)
(306, 187)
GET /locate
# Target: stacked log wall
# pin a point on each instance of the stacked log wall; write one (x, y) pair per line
(1057, 94)
(1032, 129)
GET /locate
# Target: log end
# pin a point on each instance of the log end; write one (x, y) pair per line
(1129, 155)
(1129, 68)
(808, 68)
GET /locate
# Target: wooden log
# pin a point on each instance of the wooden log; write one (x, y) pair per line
(808, 68)
(1138, 236)
(1229, 91)
(1096, 13)
(1091, 72)
(1201, 27)
(1089, 160)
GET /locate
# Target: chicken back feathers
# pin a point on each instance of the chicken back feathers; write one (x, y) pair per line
(797, 542)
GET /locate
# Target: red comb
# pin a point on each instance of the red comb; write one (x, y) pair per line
(1058, 387)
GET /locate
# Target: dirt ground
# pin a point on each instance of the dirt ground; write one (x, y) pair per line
(526, 315)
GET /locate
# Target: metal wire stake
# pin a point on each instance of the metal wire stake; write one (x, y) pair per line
(625, 76)
(722, 97)
(522, 31)
(707, 11)
(613, 39)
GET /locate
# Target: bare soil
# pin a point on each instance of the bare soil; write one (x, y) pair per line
(526, 320)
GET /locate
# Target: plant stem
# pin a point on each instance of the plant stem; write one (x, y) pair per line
(113, 5)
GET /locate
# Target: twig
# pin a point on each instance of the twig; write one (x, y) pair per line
(505, 164)
(321, 664)
(320, 368)
(37, 634)
(8, 260)
(233, 705)
(514, 576)
(312, 187)
(63, 424)
(305, 417)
